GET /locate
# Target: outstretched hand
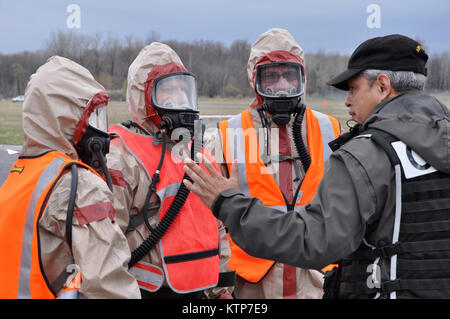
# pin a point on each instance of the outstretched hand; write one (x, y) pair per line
(208, 187)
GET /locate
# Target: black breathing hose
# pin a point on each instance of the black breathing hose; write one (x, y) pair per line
(301, 149)
(167, 220)
(265, 124)
(298, 139)
(155, 180)
(101, 158)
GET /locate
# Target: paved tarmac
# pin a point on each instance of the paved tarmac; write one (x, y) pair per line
(7, 160)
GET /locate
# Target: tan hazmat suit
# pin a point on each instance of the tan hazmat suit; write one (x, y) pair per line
(130, 181)
(55, 98)
(282, 281)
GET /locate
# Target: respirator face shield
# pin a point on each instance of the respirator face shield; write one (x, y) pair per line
(99, 119)
(280, 84)
(280, 80)
(174, 97)
(175, 92)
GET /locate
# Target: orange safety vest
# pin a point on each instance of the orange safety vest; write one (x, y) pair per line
(190, 247)
(23, 197)
(239, 141)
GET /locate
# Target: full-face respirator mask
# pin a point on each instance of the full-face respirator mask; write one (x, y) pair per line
(174, 97)
(94, 144)
(280, 84)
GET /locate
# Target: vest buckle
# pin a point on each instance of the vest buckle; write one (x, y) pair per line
(389, 286)
(389, 250)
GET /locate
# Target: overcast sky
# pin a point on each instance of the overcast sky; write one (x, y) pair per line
(327, 25)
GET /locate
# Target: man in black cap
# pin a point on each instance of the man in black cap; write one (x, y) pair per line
(382, 210)
(396, 62)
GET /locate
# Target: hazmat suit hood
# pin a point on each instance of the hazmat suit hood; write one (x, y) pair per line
(420, 121)
(274, 45)
(153, 61)
(55, 98)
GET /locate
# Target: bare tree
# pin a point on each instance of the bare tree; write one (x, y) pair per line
(220, 70)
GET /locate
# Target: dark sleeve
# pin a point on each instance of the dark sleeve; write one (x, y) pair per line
(331, 227)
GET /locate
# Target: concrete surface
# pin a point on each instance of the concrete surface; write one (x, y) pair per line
(7, 160)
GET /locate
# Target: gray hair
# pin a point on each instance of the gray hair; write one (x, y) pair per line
(401, 81)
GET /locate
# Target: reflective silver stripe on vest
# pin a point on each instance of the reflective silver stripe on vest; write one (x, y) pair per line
(237, 150)
(147, 277)
(169, 190)
(46, 177)
(398, 216)
(326, 129)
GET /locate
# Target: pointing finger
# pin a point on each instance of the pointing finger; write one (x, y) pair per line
(197, 170)
(208, 165)
(193, 188)
(194, 171)
(234, 169)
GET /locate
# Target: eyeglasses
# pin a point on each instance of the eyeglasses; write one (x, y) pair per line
(271, 77)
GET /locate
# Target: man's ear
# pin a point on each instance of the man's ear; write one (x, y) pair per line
(384, 86)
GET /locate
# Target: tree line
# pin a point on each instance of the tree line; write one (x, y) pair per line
(220, 69)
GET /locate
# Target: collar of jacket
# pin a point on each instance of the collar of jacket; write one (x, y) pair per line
(358, 128)
(344, 138)
(377, 109)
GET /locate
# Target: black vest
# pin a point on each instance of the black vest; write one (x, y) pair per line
(416, 264)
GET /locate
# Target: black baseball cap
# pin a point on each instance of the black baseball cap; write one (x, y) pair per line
(393, 52)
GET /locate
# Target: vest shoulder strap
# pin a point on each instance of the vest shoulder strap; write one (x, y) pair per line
(129, 124)
(71, 206)
(384, 140)
(73, 194)
(138, 219)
